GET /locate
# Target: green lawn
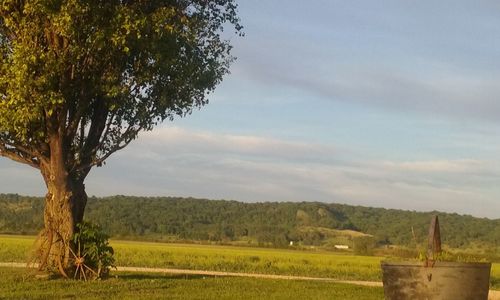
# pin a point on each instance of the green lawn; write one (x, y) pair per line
(231, 259)
(18, 284)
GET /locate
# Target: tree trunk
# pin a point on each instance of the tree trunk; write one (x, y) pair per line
(64, 207)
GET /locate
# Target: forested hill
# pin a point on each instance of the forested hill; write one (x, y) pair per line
(274, 223)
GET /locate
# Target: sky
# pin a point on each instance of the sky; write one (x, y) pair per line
(375, 103)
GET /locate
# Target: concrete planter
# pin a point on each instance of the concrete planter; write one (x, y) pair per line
(443, 281)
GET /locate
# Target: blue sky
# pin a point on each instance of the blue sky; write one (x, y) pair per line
(376, 103)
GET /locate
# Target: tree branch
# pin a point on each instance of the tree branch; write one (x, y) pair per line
(97, 125)
(16, 156)
(100, 160)
(126, 138)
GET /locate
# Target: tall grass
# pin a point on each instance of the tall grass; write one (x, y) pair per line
(252, 260)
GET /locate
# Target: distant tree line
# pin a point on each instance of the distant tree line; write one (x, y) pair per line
(267, 223)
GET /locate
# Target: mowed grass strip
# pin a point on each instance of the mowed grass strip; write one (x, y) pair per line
(19, 284)
(230, 259)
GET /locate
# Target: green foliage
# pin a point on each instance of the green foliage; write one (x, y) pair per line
(91, 243)
(99, 72)
(270, 224)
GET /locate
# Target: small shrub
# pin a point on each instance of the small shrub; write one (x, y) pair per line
(447, 256)
(93, 256)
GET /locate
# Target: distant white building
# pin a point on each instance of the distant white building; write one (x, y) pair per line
(344, 247)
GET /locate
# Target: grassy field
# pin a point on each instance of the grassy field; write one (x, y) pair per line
(230, 259)
(17, 284)
(222, 258)
(252, 260)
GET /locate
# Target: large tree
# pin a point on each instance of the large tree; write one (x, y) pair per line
(79, 79)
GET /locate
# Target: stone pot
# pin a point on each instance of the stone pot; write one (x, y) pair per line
(442, 281)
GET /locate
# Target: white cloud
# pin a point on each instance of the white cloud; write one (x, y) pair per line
(182, 142)
(174, 161)
(182, 162)
(442, 89)
(438, 166)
